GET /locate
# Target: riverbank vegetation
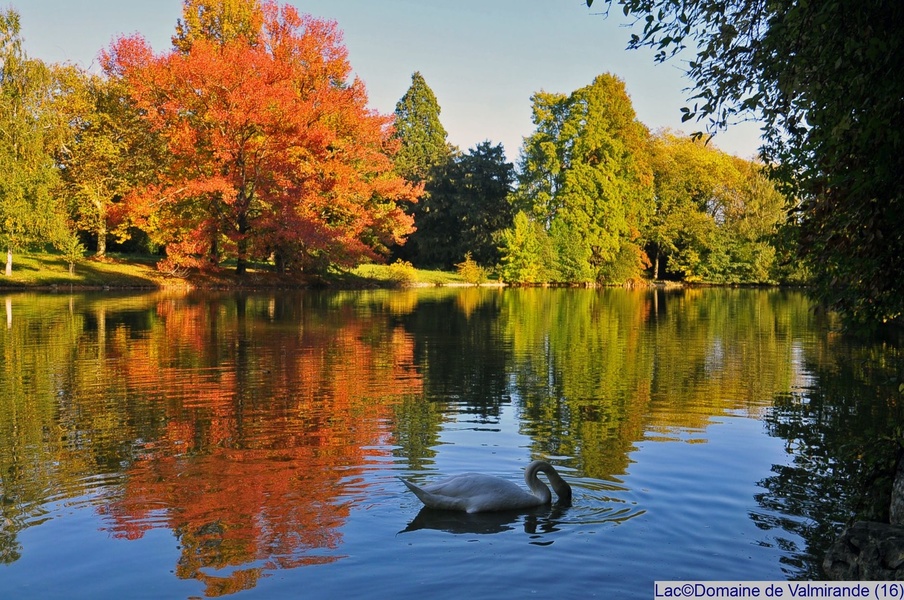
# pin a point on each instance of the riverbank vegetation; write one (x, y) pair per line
(247, 153)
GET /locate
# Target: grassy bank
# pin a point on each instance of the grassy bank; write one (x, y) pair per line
(49, 271)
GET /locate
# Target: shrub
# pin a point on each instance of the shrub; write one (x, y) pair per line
(402, 272)
(471, 272)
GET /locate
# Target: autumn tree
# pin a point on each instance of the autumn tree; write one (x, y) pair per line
(108, 150)
(585, 176)
(219, 21)
(823, 79)
(28, 210)
(273, 150)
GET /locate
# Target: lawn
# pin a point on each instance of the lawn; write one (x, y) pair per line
(47, 270)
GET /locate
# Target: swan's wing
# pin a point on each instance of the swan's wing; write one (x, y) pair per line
(433, 500)
(474, 492)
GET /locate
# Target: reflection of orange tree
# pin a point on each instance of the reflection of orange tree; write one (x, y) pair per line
(265, 428)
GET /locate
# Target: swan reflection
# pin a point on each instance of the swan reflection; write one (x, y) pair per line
(541, 519)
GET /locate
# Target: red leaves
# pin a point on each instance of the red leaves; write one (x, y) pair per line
(271, 149)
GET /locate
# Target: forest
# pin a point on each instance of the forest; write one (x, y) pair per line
(248, 144)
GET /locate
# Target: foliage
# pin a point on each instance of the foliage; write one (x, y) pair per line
(822, 78)
(220, 21)
(470, 271)
(585, 175)
(109, 149)
(714, 216)
(423, 157)
(273, 150)
(28, 134)
(420, 132)
(402, 273)
(527, 252)
(464, 209)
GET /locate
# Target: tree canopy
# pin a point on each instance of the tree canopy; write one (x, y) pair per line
(420, 131)
(272, 149)
(29, 133)
(824, 80)
(585, 176)
(715, 216)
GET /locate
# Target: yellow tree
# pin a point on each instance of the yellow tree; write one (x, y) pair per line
(109, 148)
(713, 213)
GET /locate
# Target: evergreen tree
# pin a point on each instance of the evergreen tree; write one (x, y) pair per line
(486, 180)
(420, 132)
(466, 207)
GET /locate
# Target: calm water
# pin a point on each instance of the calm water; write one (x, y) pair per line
(198, 445)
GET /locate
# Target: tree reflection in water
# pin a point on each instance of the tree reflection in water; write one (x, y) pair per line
(844, 432)
(248, 424)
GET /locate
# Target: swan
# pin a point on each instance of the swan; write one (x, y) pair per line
(476, 492)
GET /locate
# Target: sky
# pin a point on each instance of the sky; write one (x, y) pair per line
(482, 58)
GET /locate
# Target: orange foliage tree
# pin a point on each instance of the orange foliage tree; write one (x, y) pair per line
(273, 152)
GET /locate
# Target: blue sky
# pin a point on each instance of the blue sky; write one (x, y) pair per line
(482, 58)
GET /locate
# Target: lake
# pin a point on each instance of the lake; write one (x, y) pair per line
(189, 445)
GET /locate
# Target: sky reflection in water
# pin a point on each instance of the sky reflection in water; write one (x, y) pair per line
(178, 445)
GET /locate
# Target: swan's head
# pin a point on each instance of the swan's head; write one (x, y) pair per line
(563, 495)
(559, 485)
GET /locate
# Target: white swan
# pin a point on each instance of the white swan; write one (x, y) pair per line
(475, 492)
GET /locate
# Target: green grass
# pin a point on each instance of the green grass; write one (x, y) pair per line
(392, 274)
(46, 270)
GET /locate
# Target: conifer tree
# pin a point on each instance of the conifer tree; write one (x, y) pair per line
(418, 128)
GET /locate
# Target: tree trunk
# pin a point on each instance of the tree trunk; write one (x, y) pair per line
(241, 244)
(102, 240)
(656, 266)
(9, 262)
(101, 228)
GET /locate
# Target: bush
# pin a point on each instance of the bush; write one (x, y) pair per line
(402, 272)
(471, 272)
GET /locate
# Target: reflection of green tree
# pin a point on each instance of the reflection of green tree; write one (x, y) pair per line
(462, 357)
(844, 430)
(595, 369)
(50, 444)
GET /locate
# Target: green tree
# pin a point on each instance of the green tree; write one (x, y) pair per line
(28, 211)
(424, 157)
(420, 132)
(714, 214)
(823, 78)
(527, 252)
(487, 182)
(464, 209)
(585, 175)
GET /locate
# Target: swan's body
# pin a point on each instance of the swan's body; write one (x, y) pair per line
(475, 492)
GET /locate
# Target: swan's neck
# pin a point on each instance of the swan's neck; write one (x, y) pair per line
(539, 489)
